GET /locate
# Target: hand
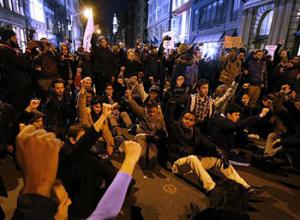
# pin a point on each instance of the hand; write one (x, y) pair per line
(120, 81)
(107, 110)
(223, 157)
(285, 89)
(37, 154)
(32, 44)
(264, 112)
(246, 85)
(151, 79)
(82, 88)
(122, 69)
(132, 151)
(276, 143)
(230, 91)
(34, 104)
(281, 42)
(245, 72)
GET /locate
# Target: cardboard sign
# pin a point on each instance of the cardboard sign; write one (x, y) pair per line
(169, 44)
(230, 42)
(271, 50)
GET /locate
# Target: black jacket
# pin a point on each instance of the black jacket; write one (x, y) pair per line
(153, 63)
(59, 113)
(104, 62)
(33, 207)
(183, 141)
(132, 68)
(224, 130)
(78, 172)
(16, 67)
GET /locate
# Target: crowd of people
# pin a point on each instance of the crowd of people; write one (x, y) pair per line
(64, 115)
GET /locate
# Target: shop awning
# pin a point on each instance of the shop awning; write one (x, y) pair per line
(216, 37)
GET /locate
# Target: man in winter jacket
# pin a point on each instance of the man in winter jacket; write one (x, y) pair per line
(257, 75)
(16, 69)
(104, 63)
(151, 131)
(189, 147)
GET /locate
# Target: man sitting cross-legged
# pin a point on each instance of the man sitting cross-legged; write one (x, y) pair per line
(188, 147)
(151, 132)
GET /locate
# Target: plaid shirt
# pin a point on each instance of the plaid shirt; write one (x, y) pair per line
(201, 109)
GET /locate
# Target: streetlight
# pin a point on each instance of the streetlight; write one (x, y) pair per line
(88, 12)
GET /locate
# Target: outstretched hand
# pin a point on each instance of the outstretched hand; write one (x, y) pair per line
(34, 104)
(223, 157)
(37, 154)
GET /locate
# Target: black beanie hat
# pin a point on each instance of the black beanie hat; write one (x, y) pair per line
(6, 33)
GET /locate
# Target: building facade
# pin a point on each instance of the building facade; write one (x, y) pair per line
(211, 20)
(159, 19)
(181, 18)
(266, 22)
(141, 18)
(35, 19)
(12, 13)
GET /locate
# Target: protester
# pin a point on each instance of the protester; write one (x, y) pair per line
(220, 111)
(15, 70)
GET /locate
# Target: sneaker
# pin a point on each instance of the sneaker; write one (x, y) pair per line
(253, 192)
(240, 159)
(103, 156)
(174, 168)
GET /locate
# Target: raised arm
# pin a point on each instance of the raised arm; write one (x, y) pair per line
(82, 106)
(112, 201)
(138, 110)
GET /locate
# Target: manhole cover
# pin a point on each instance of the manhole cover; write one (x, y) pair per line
(169, 188)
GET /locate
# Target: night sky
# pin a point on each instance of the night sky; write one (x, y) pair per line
(105, 9)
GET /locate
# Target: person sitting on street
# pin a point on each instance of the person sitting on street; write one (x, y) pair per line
(80, 170)
(189, 148)
(90, 114)
(117, 116)
(150, 130)
(227, 127)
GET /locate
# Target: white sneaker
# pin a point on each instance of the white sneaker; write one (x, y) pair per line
(174, 168)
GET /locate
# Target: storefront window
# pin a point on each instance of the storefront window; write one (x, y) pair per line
(235, 9)
(37, 10)
(265, 26)
(21, 37)
(10, 5)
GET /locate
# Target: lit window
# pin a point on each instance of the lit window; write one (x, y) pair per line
(236, 5)
(10, 5)
(1, 3)
(265, 26)
(37, 10)
(17, 6)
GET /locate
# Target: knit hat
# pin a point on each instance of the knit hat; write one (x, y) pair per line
(6, 33)
(154, 88)
(182, 49)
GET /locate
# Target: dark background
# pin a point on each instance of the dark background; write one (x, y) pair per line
(104, 10)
